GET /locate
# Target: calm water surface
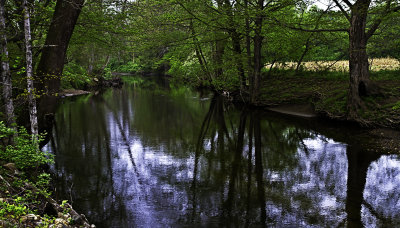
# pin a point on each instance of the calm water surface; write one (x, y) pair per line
(154, 157)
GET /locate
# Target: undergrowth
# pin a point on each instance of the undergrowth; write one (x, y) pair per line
(24, 183)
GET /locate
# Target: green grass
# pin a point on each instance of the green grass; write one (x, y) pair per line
(385, 75)
(328, 92)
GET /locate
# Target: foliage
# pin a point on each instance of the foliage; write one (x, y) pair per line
(130, 67)
(24, 151)
(386, 43)
(28, 190)
(132, 80)
(396, 106)
(13, 210)
(74, 76)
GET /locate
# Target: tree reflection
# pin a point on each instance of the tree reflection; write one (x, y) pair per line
(279, 167)
(259, 167)
(359, 160)
(239, 189)
(137, 157)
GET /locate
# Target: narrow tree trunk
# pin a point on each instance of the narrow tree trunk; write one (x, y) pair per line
(307, 47)
(5, 71)
(248, 40)
(219, 52)
(219, 47)
(29, 72)
(238, 58)
(199, 54)
(259, 167)
(237, 50)
(91, 61)
(105, 64)
(258, 38)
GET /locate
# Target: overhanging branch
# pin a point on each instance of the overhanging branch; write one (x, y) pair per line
(311, 30)
(342, 10)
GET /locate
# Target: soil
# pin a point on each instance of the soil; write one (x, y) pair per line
(384, 139)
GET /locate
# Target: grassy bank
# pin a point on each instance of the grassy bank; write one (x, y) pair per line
(327, 91)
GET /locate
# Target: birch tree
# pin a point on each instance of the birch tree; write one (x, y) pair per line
(29, 72)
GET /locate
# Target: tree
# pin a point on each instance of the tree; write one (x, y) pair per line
(29, 72)
(52, 60)
(359, 34)
(5, 70)
(51, 63)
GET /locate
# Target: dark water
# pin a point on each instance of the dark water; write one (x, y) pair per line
(174, 158)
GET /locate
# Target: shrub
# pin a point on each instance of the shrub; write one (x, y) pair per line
(24, 151)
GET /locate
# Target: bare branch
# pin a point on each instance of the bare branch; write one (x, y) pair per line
(347, 3)
(342, 10)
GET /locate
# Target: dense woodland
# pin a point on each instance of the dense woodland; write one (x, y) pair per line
(237, 48)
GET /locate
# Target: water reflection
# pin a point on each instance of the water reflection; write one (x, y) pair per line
(156, 158)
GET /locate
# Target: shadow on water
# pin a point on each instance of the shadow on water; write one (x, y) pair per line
(169, 158)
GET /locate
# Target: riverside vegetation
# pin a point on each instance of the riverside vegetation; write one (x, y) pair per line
(327, 91)
(258, 52)
(25, 199)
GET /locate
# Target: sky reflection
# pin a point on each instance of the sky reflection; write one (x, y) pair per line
(162, 158)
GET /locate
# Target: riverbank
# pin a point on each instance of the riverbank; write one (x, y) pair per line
(27, 204)
(324, 95)
(25, 185)
(96, 85)
(327, 93)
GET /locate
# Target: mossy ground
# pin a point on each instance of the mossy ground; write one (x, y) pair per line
(327, 91)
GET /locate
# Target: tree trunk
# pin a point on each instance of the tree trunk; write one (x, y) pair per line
(236, 40)
(307, 46)
(199, 54)
(360, 84)
(219, 47)
(238, 58)
(258, 38)
(29, 72)
(219, 52)
(248, 40)
(5, 70)
(51, 63)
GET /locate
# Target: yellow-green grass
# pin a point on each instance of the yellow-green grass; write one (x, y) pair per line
(378, 64)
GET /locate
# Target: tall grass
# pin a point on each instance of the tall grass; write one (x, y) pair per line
(378, 64)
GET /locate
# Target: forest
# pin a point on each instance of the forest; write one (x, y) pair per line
(341, 58)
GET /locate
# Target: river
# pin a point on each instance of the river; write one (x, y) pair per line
(165, 156)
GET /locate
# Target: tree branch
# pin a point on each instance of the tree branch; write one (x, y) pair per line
(378, 21)
(311, 30)
(342, 10)
(348, 3)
